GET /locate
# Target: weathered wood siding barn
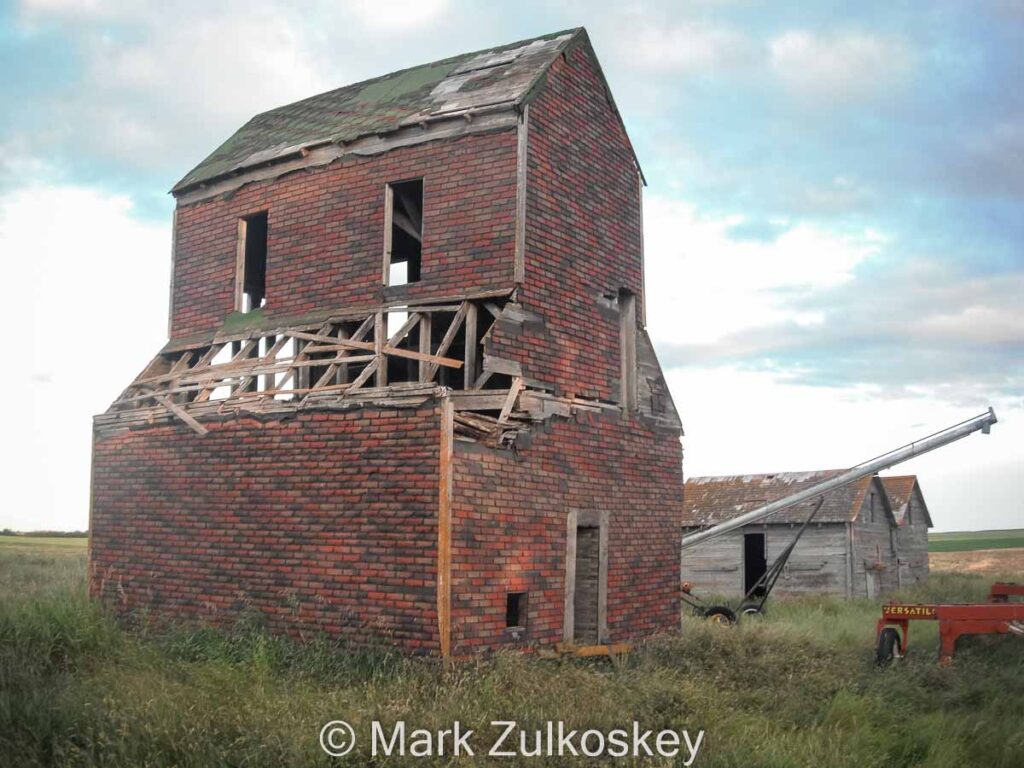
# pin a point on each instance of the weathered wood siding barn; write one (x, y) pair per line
(913, 521)
(850, 549)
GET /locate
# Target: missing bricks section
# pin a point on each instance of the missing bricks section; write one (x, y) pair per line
(290, 460)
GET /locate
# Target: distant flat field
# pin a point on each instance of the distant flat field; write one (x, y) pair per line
(985, 562)
(966, 541)
(42, 544)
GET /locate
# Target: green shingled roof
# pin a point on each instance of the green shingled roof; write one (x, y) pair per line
(496, 76)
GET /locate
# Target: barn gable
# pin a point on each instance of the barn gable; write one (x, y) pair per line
(904, 492)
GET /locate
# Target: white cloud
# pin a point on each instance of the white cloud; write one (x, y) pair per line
(89, 311)
(710, 286)
(390, 16)
(846, 66)
(740, 422)
(684, 47)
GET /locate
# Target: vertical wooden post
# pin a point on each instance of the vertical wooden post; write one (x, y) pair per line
(240, 266)
(389, 197)
(469, 369)
(378, 349)
(174, 252)
(522, 145)
(426, 328)
(627, 351)
(444, 530)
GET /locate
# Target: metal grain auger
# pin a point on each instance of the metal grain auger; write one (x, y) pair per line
(753, 601)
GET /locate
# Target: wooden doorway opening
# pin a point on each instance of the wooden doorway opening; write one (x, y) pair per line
(586, 578)
(755, 560)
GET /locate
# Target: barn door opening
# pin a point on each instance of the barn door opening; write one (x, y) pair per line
(755, 562)
(586, 578)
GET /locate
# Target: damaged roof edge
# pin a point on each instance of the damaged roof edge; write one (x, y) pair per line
(326, 111)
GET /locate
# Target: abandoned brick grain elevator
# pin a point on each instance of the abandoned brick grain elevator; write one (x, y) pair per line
(408, 396)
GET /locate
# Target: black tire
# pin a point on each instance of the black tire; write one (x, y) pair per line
(720, 614)
(751, 609)
(888, 648)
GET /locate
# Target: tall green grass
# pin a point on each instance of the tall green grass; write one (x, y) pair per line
(796, 688)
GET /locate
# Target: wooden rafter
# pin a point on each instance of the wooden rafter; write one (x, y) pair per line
(328, 359)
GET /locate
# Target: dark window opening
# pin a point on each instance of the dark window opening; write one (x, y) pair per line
(405, 237)
(755, 561)
(515, 610)
(254, 262)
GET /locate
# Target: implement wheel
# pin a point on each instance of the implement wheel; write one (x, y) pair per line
(888, 648)
(720, 614)
(751, 609)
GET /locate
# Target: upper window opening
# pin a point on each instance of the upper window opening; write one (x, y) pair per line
(253, 261)
(404, 245)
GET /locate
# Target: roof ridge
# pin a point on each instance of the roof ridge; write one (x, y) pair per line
(424, 65)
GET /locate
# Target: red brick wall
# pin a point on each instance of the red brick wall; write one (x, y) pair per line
(324, 522)
(583, 232)
(326, 231)
(509, 528)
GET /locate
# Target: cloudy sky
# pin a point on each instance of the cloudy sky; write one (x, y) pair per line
(834, 217)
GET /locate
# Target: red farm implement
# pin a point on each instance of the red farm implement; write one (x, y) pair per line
(1000, 615)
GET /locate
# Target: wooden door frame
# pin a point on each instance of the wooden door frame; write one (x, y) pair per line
(587, 519)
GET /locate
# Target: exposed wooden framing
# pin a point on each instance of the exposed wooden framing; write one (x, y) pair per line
(426, 328)
(522, 147)
(321, 365)
(469, 372)
(449, 337)
(444, 529)
(407, 326)
(366, 373)
(627, 351)
(174, 256)
(510, 400)
(240, 265)
(643, 267)
(182, 414)
(270, 354)
(389, 201)
(381, 368)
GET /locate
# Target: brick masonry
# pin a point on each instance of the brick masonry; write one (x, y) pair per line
(509, 528)
(325, 238)
(583, 233)
(323, 523)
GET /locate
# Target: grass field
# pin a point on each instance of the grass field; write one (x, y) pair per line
(798, 687)
(965, 541)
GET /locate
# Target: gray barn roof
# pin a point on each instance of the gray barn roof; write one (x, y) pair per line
(711, 500)
(900, 489)
(501, 77)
